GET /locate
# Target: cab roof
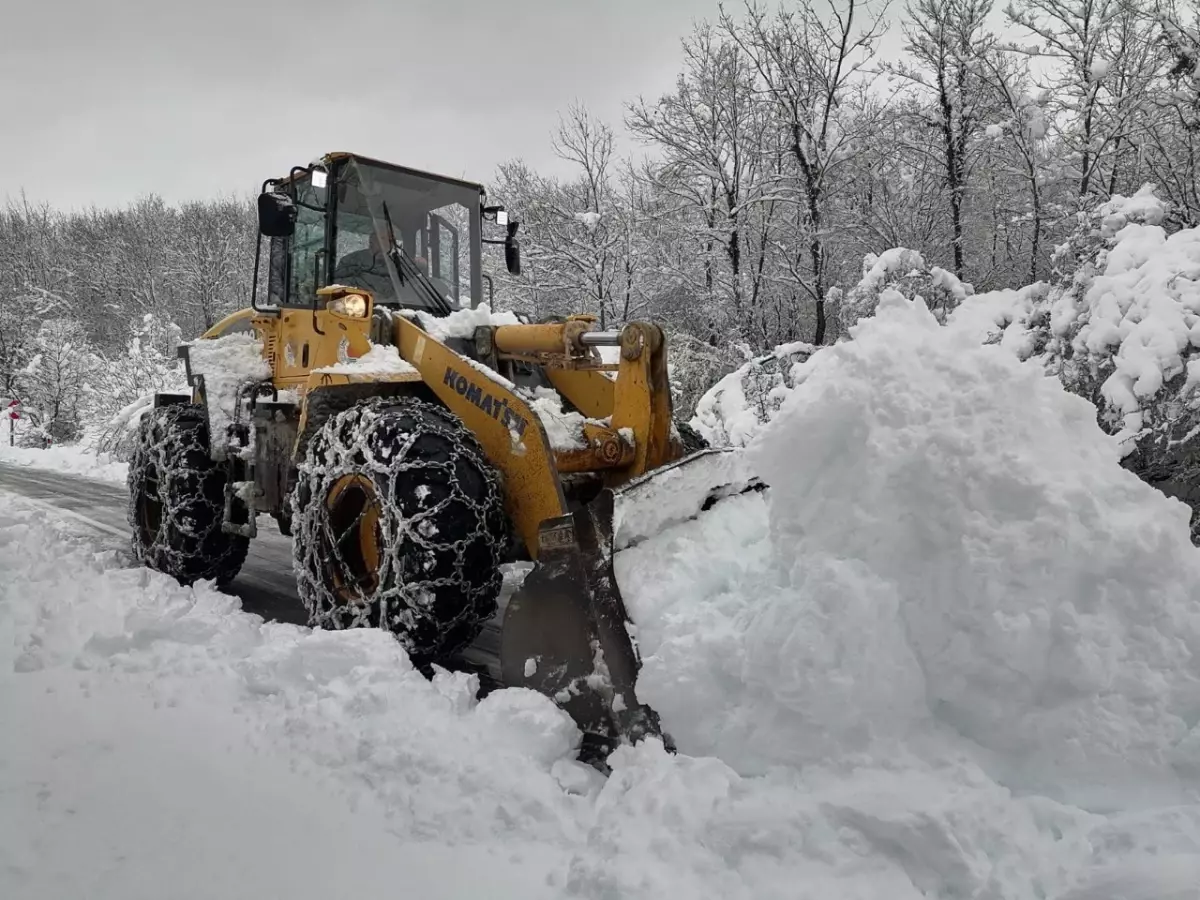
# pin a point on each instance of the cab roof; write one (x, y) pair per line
(338, 155)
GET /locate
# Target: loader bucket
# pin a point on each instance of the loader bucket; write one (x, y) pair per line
(566, 631)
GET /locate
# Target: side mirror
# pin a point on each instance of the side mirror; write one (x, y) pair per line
(276, 214)
(512, 250)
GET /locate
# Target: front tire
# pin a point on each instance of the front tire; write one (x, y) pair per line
(177, 499)
(398, 522)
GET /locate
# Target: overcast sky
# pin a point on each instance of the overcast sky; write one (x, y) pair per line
(105, 100)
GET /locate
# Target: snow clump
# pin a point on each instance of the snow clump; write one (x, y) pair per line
(381, 359)
(228, 363)
(462, 322)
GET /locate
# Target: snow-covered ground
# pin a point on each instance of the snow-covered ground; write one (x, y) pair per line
(953, 651)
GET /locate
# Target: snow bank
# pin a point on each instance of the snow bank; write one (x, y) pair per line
(76, 459)
(163, 729)
(948, 546)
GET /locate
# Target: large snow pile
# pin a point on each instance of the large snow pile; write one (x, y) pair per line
(950, 579)
(161, 729)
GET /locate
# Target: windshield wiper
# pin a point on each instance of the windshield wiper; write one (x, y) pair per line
(408, 269)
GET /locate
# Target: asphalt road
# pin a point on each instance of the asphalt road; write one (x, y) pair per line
(265, 584)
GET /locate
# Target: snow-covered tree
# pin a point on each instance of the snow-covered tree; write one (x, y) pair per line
(1098, 66)
(1019, 149)
(946, 40)
(54, 384)
(1170, 142)
(809, 62)
(123, 385)
(711, 132)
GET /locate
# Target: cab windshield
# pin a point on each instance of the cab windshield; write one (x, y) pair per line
(436, 226)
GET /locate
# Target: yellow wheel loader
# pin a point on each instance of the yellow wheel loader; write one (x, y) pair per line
(411, 445)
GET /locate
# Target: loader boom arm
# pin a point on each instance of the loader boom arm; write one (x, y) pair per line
(509, 431)
(637, 405)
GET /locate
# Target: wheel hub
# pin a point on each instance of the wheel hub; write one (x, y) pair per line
(353, 514)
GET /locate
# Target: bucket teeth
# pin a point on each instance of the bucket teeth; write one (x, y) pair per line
(565, 630)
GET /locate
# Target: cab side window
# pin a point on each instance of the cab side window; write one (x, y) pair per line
(277, 272)
(308, 256)
(445, 258)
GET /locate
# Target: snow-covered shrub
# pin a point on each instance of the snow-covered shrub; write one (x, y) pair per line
(1121, 327)
(1017, 320)
(904, 271)
(123, 387)
(53, 385)
(694, 366)
(1126, 328)
(736, 408)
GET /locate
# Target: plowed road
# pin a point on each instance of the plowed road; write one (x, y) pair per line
(265, 583)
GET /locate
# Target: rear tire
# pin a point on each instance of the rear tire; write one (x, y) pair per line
(398, 522)
(177, 499)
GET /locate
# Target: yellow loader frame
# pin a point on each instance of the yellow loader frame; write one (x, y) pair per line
(636, 404)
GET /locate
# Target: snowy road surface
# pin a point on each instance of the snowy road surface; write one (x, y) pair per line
(264, 585)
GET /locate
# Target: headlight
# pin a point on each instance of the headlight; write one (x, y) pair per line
(352, 305)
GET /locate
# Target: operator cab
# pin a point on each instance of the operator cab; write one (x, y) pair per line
(412, 238)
